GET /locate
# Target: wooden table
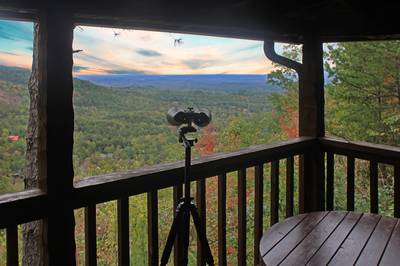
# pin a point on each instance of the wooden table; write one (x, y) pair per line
(334, 238)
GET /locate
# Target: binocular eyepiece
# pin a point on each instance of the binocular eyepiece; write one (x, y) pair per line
(200, 117)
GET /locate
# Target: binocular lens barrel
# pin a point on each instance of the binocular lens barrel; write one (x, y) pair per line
(200, 117)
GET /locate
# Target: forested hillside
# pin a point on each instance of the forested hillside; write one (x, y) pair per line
(125, 128)
(117, 129)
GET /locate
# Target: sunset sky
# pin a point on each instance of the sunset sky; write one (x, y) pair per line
(114, 51)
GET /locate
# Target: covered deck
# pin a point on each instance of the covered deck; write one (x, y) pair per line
(310, 24)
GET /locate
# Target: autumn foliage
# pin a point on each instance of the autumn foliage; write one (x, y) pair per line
(289, 123)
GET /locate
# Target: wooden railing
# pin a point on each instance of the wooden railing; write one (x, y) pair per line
(375, 154)
(32, 205)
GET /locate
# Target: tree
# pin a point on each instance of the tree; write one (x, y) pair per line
(33, 231)
(363, 100)
(285, 103)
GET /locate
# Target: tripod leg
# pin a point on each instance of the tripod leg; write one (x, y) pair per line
(185, 233)
(201, 234)
(173, 232)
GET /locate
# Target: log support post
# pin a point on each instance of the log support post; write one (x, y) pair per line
(311, 119)
(311, 123)
(55, 82)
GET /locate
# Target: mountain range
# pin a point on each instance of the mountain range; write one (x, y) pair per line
(219, 82)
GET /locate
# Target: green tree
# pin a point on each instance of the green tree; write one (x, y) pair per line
(363, 100)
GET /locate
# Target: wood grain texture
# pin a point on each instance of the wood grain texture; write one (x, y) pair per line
(391, 253)
(351, 248)
(256, 20)
(373, 187)
(152, 224)
(274, 192)
(289, 186)
(330, 186)
(222, 260)
(90, 236)
(59, 137)
(242, 225)
(362, 150)
(312, 242)
(350, 183)
(258, 210)
(277, 254)
(12, 245)
(278, 232)
(113, 186)
(377, 242)
(31, 205)
(123, 231)
(332, 244)
(396, 188)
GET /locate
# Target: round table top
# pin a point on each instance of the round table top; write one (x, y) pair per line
(334, 238)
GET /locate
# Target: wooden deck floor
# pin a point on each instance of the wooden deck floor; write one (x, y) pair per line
(334, 238)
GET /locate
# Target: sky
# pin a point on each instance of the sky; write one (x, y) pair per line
(115, 51)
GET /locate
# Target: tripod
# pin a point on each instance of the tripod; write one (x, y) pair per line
(185, 208)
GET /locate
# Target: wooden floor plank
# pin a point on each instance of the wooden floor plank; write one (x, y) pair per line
(306, 249)
(356, 240)
(295, 236)
(391, 254)
(329, 247)
(373, 251)
(277, 232)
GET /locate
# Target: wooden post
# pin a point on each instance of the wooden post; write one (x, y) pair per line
(311, 119)
(55, 81)
(311, 123)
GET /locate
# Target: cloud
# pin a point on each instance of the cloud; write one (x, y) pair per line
(9, 53)
(90, 58)
(124, 71)
(79, 68)
(16, 31)
(198, 63)
(149, 53)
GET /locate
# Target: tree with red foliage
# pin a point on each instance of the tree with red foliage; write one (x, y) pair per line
(207, 142)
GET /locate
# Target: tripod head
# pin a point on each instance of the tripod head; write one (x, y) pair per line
(183, 138)
(185, 119)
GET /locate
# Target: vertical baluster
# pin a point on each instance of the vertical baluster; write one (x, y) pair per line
(350, 183)
(397, 190)
(301, 183)
(12, 245)
(201, 207)
(152, 225)
(373, 186)
(123, 231)
(330, 168)
(90, 236)
(258, 211)
(289, 186)
(274, 192)
(222, 220)
(242, 217)
(177, 191)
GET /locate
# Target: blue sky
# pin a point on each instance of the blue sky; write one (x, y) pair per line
(108, 51)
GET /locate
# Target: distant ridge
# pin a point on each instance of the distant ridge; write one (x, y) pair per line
(16, 75)
(224, 82)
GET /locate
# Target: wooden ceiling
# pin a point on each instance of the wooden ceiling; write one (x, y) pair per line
(285, 20)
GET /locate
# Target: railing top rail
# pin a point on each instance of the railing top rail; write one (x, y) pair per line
(26, 206)
(108, 187)
(362, 150)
